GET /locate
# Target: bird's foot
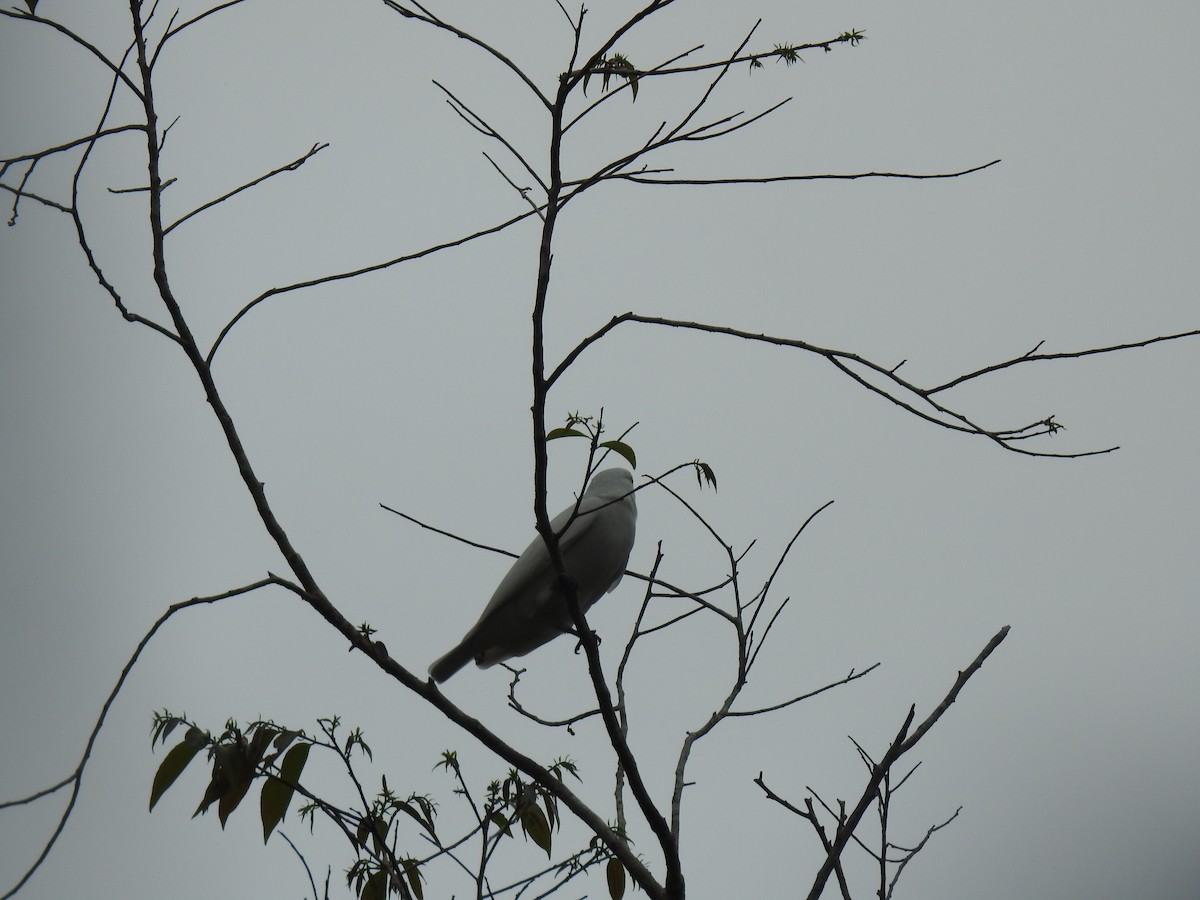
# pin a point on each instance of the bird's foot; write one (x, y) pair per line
(579, 644)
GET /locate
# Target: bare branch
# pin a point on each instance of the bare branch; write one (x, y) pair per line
(171, 32)
(75, 779)
(619, 683)
(910, 853)
(477, 122)
(289, 167)
(414, 10)
(959, 683)
(773, 179)
(849, 823)
(852, 676)
(91, 48)
(449, 534)
(72, 144)
(303, 861)
(712, 130)
(354, 273)
(19, 192)
(903, 742)
(38, 795)
(810, 814)
(1033, 356)
(844, 360)
(523, 192)
(712, 86)
(766, 589)
(80, 230)
(667, 838)
(518, 707)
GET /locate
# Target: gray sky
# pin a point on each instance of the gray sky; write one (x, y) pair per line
(1072, 752)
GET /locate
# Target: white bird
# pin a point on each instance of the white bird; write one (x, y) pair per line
(526, 611)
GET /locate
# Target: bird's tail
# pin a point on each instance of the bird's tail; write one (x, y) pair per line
(451, 662)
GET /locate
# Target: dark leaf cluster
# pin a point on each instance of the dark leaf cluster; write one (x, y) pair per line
(615, 64)
(238, 756)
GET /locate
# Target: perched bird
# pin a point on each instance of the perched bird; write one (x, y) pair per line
(526, 611)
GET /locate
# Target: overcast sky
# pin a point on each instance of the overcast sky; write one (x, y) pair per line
(1072, 752)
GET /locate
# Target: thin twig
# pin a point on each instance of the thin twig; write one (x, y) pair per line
(843, 360)
(853, 676)
(1066, 354)
(171, 32)
(289, 167)
(87, 45)
(354, 273)
(775, 179)
(908, 856)
(76, 142)
(449, 534)
(481, 125)
(414, 10)
(303, 861)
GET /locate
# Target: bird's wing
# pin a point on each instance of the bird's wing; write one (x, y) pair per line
(533, 568)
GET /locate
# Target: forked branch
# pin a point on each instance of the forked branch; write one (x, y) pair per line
(906, 738)
(896, 389)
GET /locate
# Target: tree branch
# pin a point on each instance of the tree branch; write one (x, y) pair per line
(774, 179)
(354, 273)
(414, 10)
(843, 360)
(289, 167)
(1032, 356)
(903, 742)
(75, 779)
(91, 48)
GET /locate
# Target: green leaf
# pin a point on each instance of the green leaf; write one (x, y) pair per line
(362, 832)
(218, 784)
(535, 826)
(241, 774)
(277, 792)
(293, 763)
(501, 823)
(615, 873)
(555, 433)
(175, 762)
(551, 806)
(282, 741)
(376, 887)
(709, 475)
(259, 743)
(162, 730)
(355, 739)
(422, 817)
(414, 877)
(379, 831)
(788, 54)
(273, 803)
(623, 449)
